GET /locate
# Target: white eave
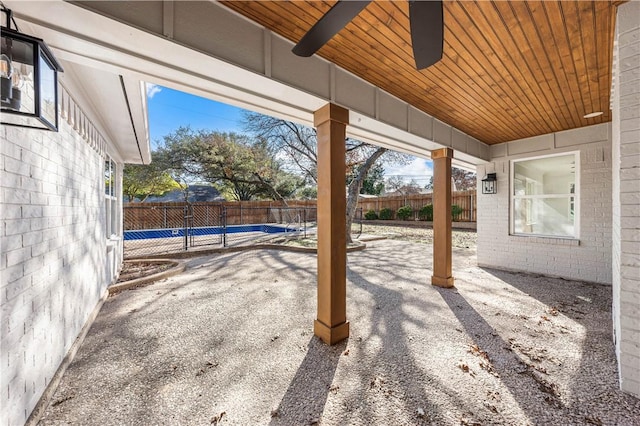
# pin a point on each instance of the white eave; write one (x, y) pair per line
(116, 105)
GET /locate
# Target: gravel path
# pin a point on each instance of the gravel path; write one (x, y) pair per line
(230, 341)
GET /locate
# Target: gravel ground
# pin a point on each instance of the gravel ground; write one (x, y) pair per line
(230, 341)
(461, 239)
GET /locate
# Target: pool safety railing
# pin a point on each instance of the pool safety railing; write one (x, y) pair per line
(151, 230)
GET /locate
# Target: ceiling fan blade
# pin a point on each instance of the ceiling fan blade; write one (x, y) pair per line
(331, 22)
(427, 32)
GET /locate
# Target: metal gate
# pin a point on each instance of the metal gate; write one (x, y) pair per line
(152, 230)
(204, 225)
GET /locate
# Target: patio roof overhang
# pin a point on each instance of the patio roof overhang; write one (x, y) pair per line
(510, 70)
(206, 49)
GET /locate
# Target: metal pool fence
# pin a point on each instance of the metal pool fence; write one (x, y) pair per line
(153, 230)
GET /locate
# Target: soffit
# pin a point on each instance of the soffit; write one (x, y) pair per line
(114, 105)
(510, 70)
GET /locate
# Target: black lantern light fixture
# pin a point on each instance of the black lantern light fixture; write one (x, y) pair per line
(490, 184)
(29, 80)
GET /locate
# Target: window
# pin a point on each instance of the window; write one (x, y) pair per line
(110, 199)
(545, 196)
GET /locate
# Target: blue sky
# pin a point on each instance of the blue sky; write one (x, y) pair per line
(170, 109)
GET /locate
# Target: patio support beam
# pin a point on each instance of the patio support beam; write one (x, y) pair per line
(331, 324)
(442, 217)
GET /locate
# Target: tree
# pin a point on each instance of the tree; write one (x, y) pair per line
(397, 184)
(142, 180)
(179, 156)
(373, 183)
(299, 145)
(461, 180)
(240, 166)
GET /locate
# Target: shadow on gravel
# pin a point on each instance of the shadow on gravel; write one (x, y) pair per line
(501, 360)
(565, 296)
(393, 377)
(310, 387)
(592, 391)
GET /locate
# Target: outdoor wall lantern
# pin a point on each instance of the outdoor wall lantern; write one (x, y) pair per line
(29, 79)
(490, 184)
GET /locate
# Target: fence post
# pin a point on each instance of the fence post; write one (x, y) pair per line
(471, 212)
(164, 217)
(185, 213)
(224, 226)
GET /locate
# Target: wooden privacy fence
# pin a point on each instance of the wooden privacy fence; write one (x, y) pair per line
(172, 215)
(466, 200)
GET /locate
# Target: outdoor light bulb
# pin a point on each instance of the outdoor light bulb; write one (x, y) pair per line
(5, 66)
(17, 80)
(26, 73)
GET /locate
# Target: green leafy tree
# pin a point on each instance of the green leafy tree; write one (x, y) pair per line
(237, 165)
(309, 192)
(143, 180)
(179, 156)
(373, 183)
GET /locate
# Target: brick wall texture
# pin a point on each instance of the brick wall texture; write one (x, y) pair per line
(589, 257)
(53, 265)
(626, 196)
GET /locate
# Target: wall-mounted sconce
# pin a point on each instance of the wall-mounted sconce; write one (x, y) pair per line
(29, 80)
(490, 184)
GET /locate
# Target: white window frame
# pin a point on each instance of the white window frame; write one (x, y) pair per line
(575, 195)
(111, 197)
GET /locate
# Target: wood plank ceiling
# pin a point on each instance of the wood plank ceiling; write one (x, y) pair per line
(511, 69)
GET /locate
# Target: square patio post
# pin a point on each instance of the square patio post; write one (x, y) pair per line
(331, 324)
(442, 217)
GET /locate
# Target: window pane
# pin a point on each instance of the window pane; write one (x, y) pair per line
(544, 176)
(114, 218)
(47, 91)
(108, 178)
(107, 218)
(544, 216)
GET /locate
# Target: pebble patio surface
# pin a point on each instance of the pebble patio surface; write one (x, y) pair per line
(230, 341)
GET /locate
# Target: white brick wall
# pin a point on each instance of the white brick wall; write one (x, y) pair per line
(588, 258)
(53, 263)
(626, 196)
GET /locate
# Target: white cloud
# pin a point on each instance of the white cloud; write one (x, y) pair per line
(419, 169)
(152, 90)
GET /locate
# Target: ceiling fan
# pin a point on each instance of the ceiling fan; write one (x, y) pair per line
(426, 20)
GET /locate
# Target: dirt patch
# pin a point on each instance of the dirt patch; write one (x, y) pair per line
(132, 270)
